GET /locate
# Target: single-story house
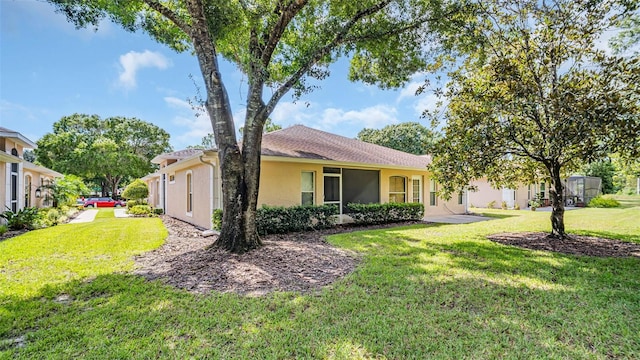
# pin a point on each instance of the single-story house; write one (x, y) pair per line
(300, 166)
(21, 181)
(578, 191)
(486, 194)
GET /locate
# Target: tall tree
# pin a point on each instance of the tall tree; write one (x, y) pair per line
(281, 45)
(537, 98)
(95, 148)
(411, 137)
(605, 170)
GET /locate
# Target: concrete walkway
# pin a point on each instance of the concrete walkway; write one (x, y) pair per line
(85, 216)
(120, 213)
(456, 219)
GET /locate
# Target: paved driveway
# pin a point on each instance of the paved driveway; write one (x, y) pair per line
(456, 219)
(86, 216)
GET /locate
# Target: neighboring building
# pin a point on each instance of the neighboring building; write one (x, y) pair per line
(300, 166)
(578, 191)
(486, 194)
(21, 181)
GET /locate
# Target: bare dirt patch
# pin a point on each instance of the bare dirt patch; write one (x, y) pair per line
(575, 245)
(301, 262)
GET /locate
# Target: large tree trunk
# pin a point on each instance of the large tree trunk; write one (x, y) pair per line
(556, 192)
(238, 168)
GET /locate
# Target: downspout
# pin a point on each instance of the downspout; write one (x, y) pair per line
(212, 176)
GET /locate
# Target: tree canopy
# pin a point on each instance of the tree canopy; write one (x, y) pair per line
(108, 149)
(280, 45)
(411, 137)
(535, 98)
(136, 190)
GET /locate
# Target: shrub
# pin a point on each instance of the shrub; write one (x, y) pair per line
(516, 207)
(503, 205)
(137, 190)
(491, 204)
(158, 211)
(281, 220)
(50, 216)
(216, 219)
(385, 213)
(602, 202)
(140, 210)
(3, 229)
(26, 218)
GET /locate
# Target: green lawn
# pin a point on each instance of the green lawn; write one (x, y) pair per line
(436, 291)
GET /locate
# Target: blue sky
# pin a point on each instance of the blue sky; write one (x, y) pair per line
(48, 70)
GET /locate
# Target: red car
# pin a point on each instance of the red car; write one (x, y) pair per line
(103, 202)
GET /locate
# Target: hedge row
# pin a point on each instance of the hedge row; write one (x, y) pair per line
(282, 220)
(364, 214)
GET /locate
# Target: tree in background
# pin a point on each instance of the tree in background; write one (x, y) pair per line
(629, 34)
(65, 190)
(536, 98)
(29, 156)
(93, 148)
(409, 137)
(280, 46)
(605, 170)
(627, 178)
(137, 190)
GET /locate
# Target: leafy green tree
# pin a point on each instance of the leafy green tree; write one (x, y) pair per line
(98, 149)
(605, 170)
(281, 46)
(535, 98)
(29, 155)
(629, 34)
(64, 191)
(137, 190)
(410, 137)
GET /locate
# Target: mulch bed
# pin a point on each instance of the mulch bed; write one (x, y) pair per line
(301, 262)
(575, 245)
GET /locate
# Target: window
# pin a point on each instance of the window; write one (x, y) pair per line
(397, 189)
(308, 188)
(529, 192)
(172, 178)
(460, 197)
(416, 189)
(189, 193)
(542, 191)
(27, 190)
(432, 193)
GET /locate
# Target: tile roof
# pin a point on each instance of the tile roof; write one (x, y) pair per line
(299, 141)
(176, 155)
(8, 133)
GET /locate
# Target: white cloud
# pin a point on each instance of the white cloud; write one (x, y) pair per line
(133, 61)
(371, 117)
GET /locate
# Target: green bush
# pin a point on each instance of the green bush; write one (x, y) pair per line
(282, 220)
(26, 218)
(3, 229)
(137, 190)
(602, 202)
(50, 216)
(491, 204)
(385, 213)
(140, 210)
(158, 211)
(216, 219)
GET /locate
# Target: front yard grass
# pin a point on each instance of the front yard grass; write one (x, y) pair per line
(424, 291)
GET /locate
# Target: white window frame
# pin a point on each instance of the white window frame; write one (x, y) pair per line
(189, 192)
(313, 186)
(399, 192)
(433, 197)
(172, 175)
(413, 187)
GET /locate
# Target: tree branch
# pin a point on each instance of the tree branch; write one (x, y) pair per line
(169, 14)
(286, 15)
(319, 53)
